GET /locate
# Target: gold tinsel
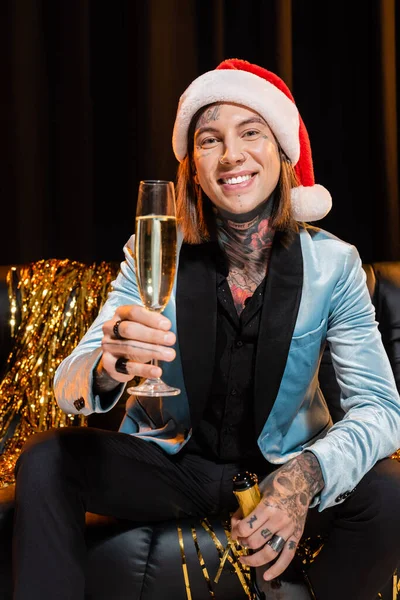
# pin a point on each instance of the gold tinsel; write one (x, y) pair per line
(241, 571)
(307, 552)
(52, 303)
(396, 455)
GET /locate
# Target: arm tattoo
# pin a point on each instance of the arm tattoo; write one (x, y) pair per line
(102, 381)
(251, 521)
(312, 471)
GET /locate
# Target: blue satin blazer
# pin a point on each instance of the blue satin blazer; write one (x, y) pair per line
(315, 294)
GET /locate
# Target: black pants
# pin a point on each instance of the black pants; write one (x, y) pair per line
(65, 472)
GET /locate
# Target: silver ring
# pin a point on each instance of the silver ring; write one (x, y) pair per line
(116, 332)
(276, 543)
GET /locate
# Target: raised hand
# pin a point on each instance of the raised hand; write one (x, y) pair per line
(142, 336)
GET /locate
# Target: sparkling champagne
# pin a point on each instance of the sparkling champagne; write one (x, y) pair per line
(155, 256)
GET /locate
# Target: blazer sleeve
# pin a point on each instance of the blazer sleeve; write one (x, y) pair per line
(73, 381)
(370, 429)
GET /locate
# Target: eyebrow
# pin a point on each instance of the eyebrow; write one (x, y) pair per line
(241, 124)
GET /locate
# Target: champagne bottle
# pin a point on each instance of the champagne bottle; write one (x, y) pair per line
(247, 492)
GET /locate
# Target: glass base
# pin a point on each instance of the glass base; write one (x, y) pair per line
(153, 387)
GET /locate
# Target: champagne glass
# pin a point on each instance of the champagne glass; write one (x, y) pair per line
(155, 259)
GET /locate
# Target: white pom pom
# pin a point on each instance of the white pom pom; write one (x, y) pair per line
(310, 203)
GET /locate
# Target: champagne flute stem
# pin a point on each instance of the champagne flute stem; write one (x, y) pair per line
(154, 363)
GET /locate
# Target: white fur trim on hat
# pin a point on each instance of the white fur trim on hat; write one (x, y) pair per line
(247, 89)
(310, 203)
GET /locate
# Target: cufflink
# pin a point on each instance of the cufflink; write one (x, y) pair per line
(344, 495)
(79, 404)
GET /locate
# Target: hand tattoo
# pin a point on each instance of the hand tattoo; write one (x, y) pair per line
(251, 521)
(292, 487)
(266, 533)
(292, 545)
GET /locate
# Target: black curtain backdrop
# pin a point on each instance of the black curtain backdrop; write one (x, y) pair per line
(89, 90)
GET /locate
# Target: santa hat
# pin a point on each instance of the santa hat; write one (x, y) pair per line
(252, 86)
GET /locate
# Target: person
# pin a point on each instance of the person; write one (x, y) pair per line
(257, 295)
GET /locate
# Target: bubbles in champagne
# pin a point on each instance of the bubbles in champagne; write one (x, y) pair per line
(155, 256)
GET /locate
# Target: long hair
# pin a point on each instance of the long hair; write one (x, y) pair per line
(194, 209)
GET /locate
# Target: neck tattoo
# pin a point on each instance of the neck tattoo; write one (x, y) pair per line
(247, 242)
(242, 226)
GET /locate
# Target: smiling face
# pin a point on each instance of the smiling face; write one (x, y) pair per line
(236, 157)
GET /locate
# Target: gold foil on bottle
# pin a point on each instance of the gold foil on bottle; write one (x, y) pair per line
(248, 499)
(52, 304)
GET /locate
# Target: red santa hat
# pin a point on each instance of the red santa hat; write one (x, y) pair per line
(252, 86)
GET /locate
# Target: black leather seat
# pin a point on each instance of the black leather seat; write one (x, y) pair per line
(127, 560)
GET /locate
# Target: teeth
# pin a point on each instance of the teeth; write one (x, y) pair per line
(233, 180)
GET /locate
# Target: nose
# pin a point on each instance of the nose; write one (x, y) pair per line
(233, 153)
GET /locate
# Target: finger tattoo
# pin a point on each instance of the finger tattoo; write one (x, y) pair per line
(251, 521)
(292, 545)
(266, 533)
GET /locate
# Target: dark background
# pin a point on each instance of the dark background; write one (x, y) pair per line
(89, 90)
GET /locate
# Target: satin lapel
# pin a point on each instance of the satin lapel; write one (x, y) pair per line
(196, 313)
(278, 318)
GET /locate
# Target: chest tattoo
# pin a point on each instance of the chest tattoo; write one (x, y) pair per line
(242, 286)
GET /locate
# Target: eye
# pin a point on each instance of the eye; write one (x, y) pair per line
(251, 133)
(208, 142)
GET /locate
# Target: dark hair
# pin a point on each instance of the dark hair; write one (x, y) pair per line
(194, 209)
